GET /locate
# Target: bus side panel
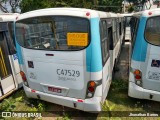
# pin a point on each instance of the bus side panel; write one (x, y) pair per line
(140, 48)
(94, 56)
(19, 54)
(152, 73)
(106, 79)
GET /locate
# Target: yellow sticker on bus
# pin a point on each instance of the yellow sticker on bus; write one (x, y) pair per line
(77, 39)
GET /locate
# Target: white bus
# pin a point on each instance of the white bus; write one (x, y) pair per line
(10, 78)
(64, 55)
(144, 77)
(127, 30)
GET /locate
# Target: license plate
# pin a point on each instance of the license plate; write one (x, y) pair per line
(52, 89)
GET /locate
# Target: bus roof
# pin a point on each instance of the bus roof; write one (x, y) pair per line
(8, 17)
(127, 14)
(148, 13)
(65, 11)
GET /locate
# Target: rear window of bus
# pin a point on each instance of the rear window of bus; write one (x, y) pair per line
(53, 33)
(152, 31)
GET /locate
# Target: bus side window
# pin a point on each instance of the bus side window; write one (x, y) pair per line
(114, 32)
(110, 38)
(117, 26)
(10, 39)
(120, 29)
(104, 41)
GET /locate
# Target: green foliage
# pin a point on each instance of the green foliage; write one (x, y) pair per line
(119, 84)
(130, 9)
(65, 117)
(7, 105)
(19, 99)
(37, 105)
(33, 109)
(28, 5)
(111, 5)
(107, 107)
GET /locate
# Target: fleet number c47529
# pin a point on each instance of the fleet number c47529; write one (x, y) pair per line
(64, 72)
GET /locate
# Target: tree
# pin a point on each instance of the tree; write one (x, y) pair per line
(28, 5)
(7, 6)
(138, 4)
(130, 8)
(110, 5)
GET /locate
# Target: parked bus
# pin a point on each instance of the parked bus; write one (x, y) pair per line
(127, 31)
(144, 77)
(10, 78)
(64, 55)
(117, 38)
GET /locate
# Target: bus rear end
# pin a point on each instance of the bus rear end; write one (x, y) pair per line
(54, 50)
(145, 73)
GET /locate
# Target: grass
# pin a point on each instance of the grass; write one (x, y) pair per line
(119, 104)
(116, 103)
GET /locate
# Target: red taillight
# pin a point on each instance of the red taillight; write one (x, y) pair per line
(138, 77)
(79, 100)
(33, 91)
(23, 76)
(91, 89)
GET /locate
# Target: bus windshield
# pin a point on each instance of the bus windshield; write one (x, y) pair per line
(53, 33)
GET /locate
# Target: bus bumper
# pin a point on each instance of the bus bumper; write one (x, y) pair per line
(90, 105)
(136, 91)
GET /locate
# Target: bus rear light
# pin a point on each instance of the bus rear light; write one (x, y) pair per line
(24, 78)
(138, 82)
(92, 84)
(138, 77)
(91, 89)
(137, 72)
(89, 95)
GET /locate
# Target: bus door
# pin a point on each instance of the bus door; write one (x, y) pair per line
(6, 79)
(14, 59)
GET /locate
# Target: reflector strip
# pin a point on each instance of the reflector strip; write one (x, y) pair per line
(80, 100)
(33, 91)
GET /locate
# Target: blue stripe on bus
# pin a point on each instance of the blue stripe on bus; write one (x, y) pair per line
(93, 51)
(19, 53)
(140, 47)
(18, 49)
